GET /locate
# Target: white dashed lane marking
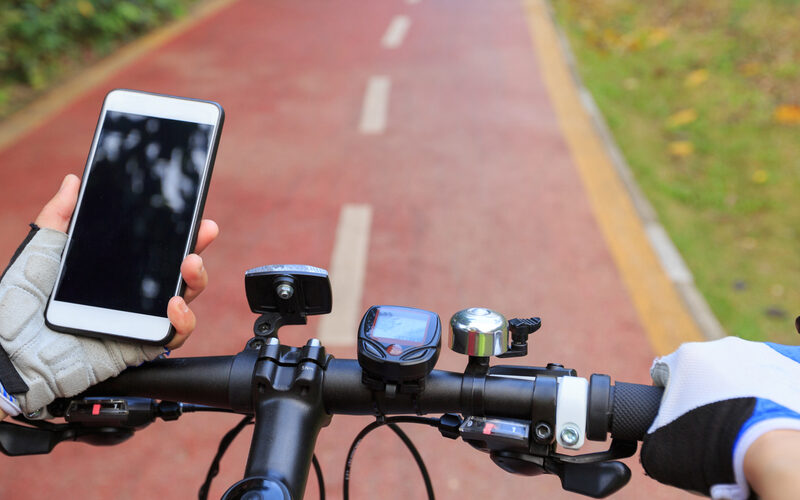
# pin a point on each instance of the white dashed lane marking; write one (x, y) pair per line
(376, 106)
(396, 32)
(348, 270)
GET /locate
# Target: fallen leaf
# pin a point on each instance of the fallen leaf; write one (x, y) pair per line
(776, 290)
(610, 37)
(696, 78)
(751, 68)
(657, 36)
(787, 114)
(760, 176)
(631, 42)
(681, 149)
(682, 117)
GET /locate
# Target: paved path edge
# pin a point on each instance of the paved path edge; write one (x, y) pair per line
(671, 260)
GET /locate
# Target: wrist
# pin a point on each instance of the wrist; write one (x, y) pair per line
(771, 464)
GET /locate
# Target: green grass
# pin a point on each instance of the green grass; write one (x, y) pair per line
(703, 98)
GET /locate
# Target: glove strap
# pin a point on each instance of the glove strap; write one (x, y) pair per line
(10, 378)
(8, 403)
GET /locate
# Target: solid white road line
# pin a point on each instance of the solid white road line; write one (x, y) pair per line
(396, 32)
(348, 270)
(376, 105)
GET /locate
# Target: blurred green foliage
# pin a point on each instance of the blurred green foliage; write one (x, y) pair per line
(703, 99)
(40, 38)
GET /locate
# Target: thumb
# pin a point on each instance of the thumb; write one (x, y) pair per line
(57, 212)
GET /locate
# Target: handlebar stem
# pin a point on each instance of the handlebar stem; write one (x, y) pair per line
(289, 411)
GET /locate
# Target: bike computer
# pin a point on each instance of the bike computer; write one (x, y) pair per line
(398, 345)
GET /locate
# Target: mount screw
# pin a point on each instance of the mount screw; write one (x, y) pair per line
(285, 291)
(543, 431)
(570, 435)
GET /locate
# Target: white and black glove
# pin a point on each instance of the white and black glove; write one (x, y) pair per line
(720, 397)
(39, 364)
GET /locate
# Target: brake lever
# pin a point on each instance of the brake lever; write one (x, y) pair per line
(593, 474)
(96, 421)
(618, 449)
(507, 441)
(17, 440)
(596, 479)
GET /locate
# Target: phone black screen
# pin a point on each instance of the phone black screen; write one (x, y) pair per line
(136, 214)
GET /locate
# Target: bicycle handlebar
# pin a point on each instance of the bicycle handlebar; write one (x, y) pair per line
(215, 381)
(292, 392)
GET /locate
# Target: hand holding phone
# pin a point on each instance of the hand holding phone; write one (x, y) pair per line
(57, 213)
(137, 217)
(39, 364)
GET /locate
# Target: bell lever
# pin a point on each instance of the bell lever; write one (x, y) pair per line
(482, 333)
(520, 329)
(286, 295)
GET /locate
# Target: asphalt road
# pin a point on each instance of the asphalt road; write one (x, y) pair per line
(423, 135)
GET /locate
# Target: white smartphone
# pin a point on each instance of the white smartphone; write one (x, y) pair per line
(137, 217)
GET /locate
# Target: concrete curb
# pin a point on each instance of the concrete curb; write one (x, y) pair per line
(668, 254)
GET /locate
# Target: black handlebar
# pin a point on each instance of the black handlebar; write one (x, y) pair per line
(216, 381)
(202, 380)
(293, 391)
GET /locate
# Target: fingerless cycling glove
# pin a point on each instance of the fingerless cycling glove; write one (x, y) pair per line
(50, 364)
(720, 397)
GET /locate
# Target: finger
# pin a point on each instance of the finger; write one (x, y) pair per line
(195, 275)
(57, 212)
(208, 232)
(182, 318)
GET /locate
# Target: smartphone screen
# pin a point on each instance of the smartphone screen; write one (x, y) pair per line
(136, 213)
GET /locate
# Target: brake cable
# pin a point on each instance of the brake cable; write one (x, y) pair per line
(226, 441)
(392, 423)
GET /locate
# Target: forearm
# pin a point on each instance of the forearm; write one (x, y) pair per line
(771, 465)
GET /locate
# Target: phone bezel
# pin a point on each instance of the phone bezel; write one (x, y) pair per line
(124, 325)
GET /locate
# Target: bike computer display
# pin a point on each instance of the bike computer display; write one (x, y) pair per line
(398, 344)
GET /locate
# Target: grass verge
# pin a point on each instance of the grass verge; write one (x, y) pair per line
(703, 99)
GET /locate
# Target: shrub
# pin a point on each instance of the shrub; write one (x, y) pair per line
(39, 38)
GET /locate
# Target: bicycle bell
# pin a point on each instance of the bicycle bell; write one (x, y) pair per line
(479, 331)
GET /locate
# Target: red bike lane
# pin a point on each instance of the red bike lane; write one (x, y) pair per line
(474, 201)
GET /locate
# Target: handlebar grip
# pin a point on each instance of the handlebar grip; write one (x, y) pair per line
(634, 408)
(205, 380)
